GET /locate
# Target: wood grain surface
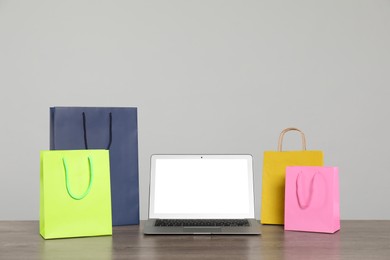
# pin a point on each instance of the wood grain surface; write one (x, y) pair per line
(356, 240)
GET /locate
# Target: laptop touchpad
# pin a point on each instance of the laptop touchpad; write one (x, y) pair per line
(202, 229)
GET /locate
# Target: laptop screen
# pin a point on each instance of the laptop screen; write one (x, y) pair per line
(201, 186)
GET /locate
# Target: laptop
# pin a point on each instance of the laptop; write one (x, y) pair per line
(201, 194)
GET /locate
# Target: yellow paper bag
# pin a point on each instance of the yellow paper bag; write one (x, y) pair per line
(274, 173)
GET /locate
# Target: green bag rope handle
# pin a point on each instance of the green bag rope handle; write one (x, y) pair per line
(67, 180)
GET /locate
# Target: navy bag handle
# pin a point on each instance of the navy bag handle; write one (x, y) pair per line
(85, 132)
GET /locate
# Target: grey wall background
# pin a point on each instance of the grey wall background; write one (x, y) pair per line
(207, 77)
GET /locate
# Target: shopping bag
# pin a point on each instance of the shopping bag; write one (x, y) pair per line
(114, 129)
(274, 172)
(312, 199)
(75, 197)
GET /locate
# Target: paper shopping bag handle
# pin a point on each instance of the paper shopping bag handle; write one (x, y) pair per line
(287, 130)
(85, 132)
(67, 180)
(306, 205)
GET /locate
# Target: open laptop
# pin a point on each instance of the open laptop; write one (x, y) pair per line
(201, 194)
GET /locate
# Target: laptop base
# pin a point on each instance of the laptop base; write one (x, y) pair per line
(252, 229)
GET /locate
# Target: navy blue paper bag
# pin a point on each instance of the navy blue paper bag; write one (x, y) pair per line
(115, 129)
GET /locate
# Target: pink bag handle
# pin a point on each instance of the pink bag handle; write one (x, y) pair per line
(287, 130)
(306, 205)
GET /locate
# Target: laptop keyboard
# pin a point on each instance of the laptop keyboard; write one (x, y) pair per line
(201, 222)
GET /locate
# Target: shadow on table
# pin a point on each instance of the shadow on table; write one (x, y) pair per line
(77, 248)
(305, 245)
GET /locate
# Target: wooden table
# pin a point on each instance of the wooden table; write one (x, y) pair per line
(356, 240)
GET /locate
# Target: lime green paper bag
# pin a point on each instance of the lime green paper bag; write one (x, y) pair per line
(75, 196)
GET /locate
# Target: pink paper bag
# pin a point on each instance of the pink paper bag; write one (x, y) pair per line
(312, 199)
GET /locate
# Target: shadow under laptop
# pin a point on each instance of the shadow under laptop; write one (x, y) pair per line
(200, 246)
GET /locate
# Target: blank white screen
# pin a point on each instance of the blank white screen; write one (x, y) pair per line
(202, 188)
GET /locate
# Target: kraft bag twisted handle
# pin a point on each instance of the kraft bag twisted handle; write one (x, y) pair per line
(67, 182)
(306, 205)
(85, 132)
(280, 141)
